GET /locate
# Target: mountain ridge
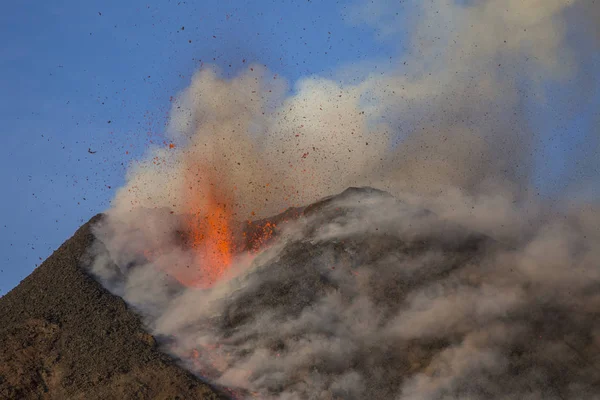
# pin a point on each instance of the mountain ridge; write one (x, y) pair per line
(62, 335)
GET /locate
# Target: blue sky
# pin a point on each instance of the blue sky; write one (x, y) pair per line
(99, 75)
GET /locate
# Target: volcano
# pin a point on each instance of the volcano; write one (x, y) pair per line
(63, 336)
(359, 295)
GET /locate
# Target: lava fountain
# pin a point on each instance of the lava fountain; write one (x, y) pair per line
(208, 222)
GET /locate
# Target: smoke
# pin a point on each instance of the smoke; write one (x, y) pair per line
(370, 297)
(493, 295)
(456, 111)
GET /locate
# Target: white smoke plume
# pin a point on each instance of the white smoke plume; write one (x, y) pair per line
(493, 295)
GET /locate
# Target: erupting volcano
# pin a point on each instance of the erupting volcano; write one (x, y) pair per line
(385, 232)
(211, 230)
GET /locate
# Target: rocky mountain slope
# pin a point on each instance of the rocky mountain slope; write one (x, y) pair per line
(63, 336)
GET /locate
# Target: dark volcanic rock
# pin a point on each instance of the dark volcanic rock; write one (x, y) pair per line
(63, 336)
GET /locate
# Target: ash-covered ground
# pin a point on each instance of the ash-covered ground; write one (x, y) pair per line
(365, 296)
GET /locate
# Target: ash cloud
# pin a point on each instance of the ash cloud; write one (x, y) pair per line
(493, 294)
(454, 111)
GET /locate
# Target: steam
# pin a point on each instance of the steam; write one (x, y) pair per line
(369, 297)
(493, 295)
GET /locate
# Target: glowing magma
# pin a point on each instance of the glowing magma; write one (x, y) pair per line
(208, 224)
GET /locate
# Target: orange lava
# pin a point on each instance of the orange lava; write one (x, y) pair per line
(263, 233)
(209, 231)
(208, 224)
